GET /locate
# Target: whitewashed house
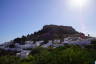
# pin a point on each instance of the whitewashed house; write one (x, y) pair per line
(13, 49)
(38, 43)
(57, 41)
(57, 45)
(70, 40)
(28, 42)
(25, 46)
(23, 53)
(47, 45)
(78, 41)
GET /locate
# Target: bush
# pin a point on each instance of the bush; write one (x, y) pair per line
(93, 42)
(61, 55)
(9, 60)
(70, 54)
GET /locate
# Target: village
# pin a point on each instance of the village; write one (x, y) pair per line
(23, 50)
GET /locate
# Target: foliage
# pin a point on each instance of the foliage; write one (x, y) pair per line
(3, 52)
(9, 60)
(92, 45)
(69, 54)
(93, 42)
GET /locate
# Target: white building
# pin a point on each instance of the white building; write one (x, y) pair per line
(28, 42)
(38, 43)
(56, 41)
(78, 41)
(23, 53)
(47, 45)
(25, 46)
(57, 45)
(13, 49)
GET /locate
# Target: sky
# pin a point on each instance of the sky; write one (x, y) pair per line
(22, 17)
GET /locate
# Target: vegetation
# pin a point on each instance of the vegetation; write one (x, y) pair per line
(93, 42)
(68, 54)
(92, 45)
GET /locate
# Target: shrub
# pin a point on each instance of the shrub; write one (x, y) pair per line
(93, 42)
(72, 54)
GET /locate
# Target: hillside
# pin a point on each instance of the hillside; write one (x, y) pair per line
(49, 32)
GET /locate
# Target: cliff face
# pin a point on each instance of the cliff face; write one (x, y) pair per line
(60, 29)
(53, 31)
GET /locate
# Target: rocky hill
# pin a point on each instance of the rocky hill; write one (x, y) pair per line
(49, 32)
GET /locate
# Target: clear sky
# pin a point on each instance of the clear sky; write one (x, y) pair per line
(22, 17)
